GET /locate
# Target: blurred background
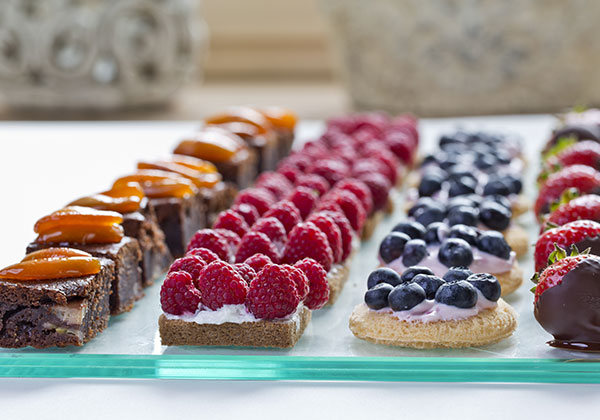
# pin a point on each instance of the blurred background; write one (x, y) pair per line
(183, 59)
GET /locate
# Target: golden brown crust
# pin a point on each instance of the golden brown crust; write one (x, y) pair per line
(488, 326)
(517, 238)
(337, 278)
(262, 333)
(371, 224)
(511, 280)
(521, 205)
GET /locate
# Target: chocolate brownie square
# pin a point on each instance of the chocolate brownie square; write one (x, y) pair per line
(217, 199)
(60, 312)
(241, 169)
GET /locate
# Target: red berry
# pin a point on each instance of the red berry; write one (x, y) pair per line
(553, 274)
(333, 170)
(209, 239)
(271, 227)
(380, 189)
(178, 294)
(401, 144)
(380, 152)
(290, 172)
(306, 240)
(205, 254)
(220, 284)
(360, 190)
(232, 238)
(272, 294)
(233, 221)
(318, 294)
(372, 165)
(586, 152)
(334, 236)
(244, 270)
(296, 160)
(260, 198)
(256, 243)
(345, 229)
(247, 211)
(564, 236)
(586, 207)
(304, 199)
(584, 178)
(314, 182)
(351, 206)
(287, 213)
(258, 261)
(191, 264)
(299, 279)
(278, 184)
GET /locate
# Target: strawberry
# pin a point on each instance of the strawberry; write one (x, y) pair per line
(287, 213)
(260, 198)
(583, 178)
(586, 207)
(334, 236)
(307, 240)
(554, 273)
(256, 243)
(315, 182)
(586, 152)
(233, 221)
(563, 236)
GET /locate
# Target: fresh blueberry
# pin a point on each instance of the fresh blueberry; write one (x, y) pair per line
(488, 285)
(383, 275)
(414, 252)
(475, 199)
(460, 201)
(514, 182)
(461, 294)
(463, 216)
(494, 243)
(448, 139)
(430, 158)
(411, 272)
(494, 215)
(465, 232)
(500, 199)
(457, 273)
(502, 157)
(459, 171)
(422, 203)
(428, 215)
(462, 186)
(429, 186)
(377, 296)
(455, 252)
(406, 296)
(435, 232)
(485, 161)
(413, 229)
(429, 283)
(496, 187)
(392, 246)
(449, 162)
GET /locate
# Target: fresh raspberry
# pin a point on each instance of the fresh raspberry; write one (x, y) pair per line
(233, 221)
(380, 189)
(315, 149)
(260, 198)
(297, 160)
(333, 170)
(347, 154)
(258, 261)
(407, 124)
(401, 144)
(274, 182)
(564, 236)
(300, 280)
(191, 264)
(290, 172)
(360, 191)
(205, 254)
(345, 229)
(272, 293)
(232, 238)
(380, 152)
(583, 178)
(209, 239)
(220, 284)
(351, 206)
(256, 243)
(315, 182)
(178, 294)
(554, 274)
(271, 227)
(372, 165)
(318, 286)
(287, 213)
(334, 236)
(586, 207)
(247, 211)
(244, 270)
(304, 199)
(306, 240)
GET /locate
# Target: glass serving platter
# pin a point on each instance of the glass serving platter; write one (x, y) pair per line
(130, 347)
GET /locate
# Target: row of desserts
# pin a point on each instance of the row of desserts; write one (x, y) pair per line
(93, 258)
(285, 247)
(443, 270)
(567, 265)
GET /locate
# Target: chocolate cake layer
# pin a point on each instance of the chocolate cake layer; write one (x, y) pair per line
(218, 199)
(58, 313)
(241, 169)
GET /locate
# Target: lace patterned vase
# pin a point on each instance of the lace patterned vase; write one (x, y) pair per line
(92, 54)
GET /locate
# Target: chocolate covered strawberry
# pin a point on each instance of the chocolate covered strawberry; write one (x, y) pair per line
(586, 152)
(586, 207)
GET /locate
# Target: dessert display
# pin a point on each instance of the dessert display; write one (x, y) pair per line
(99, 233)
(283, 122)
(55, 297)
(421, 310)
(440, 247)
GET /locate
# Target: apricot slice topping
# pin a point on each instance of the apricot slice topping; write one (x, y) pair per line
(51, 268)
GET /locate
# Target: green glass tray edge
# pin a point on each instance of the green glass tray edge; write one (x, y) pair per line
(398, 369)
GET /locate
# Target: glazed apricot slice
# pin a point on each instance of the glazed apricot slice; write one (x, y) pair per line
(58, 252)
(129, 189)
(82, 234)
(200, 179)
(105, 202)
(244, 130)
(280, 117)
(77, 215)
(196, 164)
(51, 268)
(158, 184)
(242, 114)
(211, 143)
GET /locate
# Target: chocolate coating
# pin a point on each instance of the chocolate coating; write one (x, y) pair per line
(579, 131)
(592, 243)
(570, 311)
